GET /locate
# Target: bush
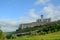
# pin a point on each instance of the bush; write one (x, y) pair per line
(8, 36)
(13, 36)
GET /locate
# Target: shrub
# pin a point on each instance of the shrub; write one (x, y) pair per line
(8, 36)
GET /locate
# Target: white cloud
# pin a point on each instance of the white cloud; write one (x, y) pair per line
(8, 25)
(49, 9)
(33, 14)
(52, 11)
(41, 2)
(8, 21)
(31, 17)
(9, 28)
(25, 19)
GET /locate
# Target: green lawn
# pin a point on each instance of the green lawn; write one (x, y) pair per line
(51, 36)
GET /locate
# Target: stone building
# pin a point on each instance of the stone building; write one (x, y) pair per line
(39, 22)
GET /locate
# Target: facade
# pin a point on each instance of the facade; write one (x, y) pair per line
(39, 22)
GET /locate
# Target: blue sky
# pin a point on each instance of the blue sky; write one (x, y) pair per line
(14, 8)
(15, 12)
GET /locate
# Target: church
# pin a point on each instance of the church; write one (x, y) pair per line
(38, 22)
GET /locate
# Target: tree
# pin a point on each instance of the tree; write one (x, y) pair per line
(2, 36)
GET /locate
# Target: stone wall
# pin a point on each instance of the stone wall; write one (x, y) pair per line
(37, 23)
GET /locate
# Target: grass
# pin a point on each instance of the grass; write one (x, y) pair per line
(50, 36)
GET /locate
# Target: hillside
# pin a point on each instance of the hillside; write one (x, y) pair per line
(52, 26)
(50, 36)
(49, 31)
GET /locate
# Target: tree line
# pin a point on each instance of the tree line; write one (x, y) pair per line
(42, 29)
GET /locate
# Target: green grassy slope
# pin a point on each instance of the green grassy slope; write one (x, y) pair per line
(50, 36)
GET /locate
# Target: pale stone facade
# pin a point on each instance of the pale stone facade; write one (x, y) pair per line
(37, 23)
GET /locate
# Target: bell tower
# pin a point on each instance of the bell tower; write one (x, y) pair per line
(41, 18)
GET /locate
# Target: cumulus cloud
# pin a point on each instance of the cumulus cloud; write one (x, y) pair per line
(8, 25)
(8, 21)
(33, 14)
(49, 9)
(25, 19)
(31, 17)
(41, 2)
(8, 28)
(52, 11)
(13, 24)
